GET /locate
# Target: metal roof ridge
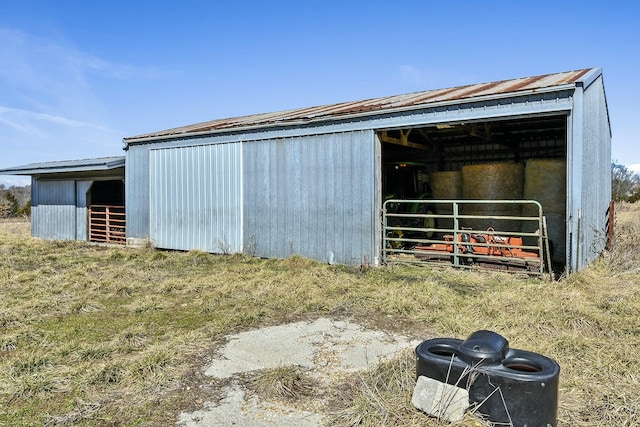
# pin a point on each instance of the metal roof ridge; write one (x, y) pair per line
(385, 104)
(111, 162)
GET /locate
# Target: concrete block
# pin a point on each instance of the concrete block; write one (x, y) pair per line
(441, 400)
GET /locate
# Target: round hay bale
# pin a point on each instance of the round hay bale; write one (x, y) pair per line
(492, 181)
(498, 181)
(545, 182)
(445, 185)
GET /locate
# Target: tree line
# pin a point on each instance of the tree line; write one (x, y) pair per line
(625, 187)
(625, 184)
(15, 201)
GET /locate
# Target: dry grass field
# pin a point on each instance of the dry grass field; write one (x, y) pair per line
(95, 335)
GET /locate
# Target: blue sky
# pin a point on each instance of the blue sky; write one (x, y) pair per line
(78, 76)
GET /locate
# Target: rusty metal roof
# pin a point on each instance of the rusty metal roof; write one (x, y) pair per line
(375, 105)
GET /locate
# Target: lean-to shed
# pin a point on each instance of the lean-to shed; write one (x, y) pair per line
(312, 181)
(77, 199)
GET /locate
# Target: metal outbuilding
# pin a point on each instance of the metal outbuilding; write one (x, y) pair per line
(77, 199)
(313, 181)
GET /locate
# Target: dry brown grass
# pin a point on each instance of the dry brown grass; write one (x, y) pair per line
(287, 382)
(91, 335)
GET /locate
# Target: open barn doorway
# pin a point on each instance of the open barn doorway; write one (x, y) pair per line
(107, 221)
(500, 163)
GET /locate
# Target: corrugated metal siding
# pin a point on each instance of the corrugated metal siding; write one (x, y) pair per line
(137, 192)
(82, 232)
(53, 214)
(314, 196)
(196, 198)
(596, 172)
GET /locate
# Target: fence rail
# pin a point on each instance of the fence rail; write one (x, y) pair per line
(107, 224)
(497, 234)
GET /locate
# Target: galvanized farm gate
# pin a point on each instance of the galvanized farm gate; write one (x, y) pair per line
(508, 235)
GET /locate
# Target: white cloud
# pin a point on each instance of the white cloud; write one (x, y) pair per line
(27, 116)
(52, 107)
(52, 77)
(635, 168)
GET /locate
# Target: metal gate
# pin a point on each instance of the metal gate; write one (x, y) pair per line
(481, 234)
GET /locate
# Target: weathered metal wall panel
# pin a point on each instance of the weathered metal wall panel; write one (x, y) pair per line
(137, 192)
(82, 216)
(53, 210)
(596, 173)
(314, 196)
(589, 175)
(196, 198)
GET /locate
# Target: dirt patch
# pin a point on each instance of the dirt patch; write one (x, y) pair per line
(325, 350)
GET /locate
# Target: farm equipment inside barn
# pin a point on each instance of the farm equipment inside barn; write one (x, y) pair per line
(484, 248)
(408, 180)
(516, 243)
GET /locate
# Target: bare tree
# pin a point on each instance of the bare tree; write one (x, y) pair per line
(625, 184)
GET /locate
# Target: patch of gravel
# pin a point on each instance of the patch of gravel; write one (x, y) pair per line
(325, 348)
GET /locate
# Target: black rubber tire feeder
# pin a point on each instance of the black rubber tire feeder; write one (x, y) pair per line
(510, 387)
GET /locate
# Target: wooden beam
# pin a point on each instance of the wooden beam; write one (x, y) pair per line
(403, 140)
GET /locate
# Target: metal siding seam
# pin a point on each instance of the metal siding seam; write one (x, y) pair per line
(271, 202)
(191, 220)
(349, 218)
(273, 205)
(202, 194)
(131, 200)
(158, 187)
(337, 178)
(281, 206)
(179, 190)
(376, 242)
(330, 176)
(161, 184)
(319, 202)
(297, 198)
(176, 195)
(221, 201)
(240, 220)
(164, 195)
(196, 196)
(207, 195)
(268, 200)
(306, 206)
(577, 150)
